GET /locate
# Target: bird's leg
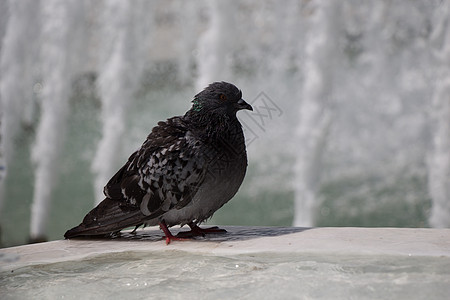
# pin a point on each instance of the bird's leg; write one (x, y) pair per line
(135, 228)
(197, 231)
(169, 235)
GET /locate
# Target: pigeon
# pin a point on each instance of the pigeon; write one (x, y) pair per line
(188, 167)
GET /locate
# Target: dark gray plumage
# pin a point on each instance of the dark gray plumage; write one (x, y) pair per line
(188, 167)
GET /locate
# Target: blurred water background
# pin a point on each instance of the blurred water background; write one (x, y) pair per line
(351, 125)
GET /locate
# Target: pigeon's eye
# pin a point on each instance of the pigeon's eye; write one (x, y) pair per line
(223, 97)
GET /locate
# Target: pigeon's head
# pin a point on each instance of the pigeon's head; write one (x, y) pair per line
(219, 98)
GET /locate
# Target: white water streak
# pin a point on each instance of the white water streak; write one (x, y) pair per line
(216, 44)
(57, 70)
(439, 160)
(17, 64)
(314, 113)
(125, 39)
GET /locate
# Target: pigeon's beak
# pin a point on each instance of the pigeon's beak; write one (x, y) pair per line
(241, 104)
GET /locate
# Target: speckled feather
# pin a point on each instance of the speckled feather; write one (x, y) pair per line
(188, 167)
(164, 173)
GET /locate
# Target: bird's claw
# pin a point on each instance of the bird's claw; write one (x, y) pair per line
(198, 231)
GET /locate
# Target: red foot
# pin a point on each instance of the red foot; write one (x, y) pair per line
(197, 231)
(169, 236)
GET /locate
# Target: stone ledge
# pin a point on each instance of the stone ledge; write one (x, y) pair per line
(244, 240)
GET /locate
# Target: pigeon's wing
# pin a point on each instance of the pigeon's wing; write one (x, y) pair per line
(165, 173)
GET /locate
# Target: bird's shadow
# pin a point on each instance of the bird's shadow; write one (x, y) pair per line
(234, 233)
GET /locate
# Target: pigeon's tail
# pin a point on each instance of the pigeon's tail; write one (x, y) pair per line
(106, 218)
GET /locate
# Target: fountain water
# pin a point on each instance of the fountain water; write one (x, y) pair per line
(214, 47)
(19, 55)
(314, 114)
(346, 137)
(439, 159)
(59, 43)
(122, 49)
